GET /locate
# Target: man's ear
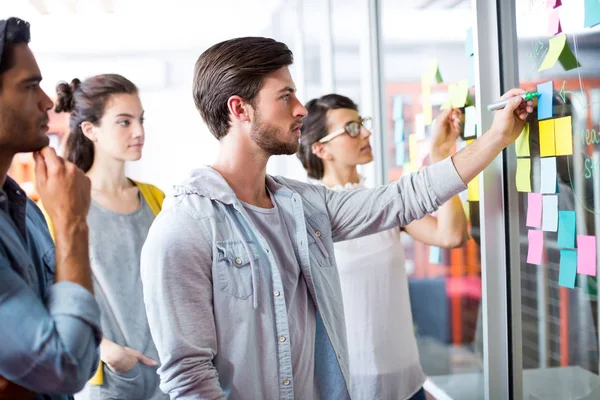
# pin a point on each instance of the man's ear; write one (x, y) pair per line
(320, 150)
(239, 109)
(88, 130)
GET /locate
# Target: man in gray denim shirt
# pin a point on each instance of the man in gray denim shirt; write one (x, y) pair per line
(240, 282)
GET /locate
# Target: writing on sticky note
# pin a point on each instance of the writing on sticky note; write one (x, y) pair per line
(469, 42)
(559, 51)
(473, 187)
(568, 268)
(586, 255)
(554, 26)
(545, 100)
(563, 133)
(522, 142)
(534, 210)
(523, 178)
(536, 247)
(435, 255)
(566, 229)
(547, 142)
(550, 213)
(470, 122)
(592, 13)
(548, 175)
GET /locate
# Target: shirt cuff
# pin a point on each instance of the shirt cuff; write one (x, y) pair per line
(71, 299)
(445, 181)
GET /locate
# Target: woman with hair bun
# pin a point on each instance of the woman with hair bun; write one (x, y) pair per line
(106, 130)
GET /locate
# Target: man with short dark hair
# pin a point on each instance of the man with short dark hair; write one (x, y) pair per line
(240, 281)
(50, 320)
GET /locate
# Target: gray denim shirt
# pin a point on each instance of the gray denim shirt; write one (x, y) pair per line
(214, 295)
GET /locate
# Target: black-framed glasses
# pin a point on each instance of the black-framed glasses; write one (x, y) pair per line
(352, 128)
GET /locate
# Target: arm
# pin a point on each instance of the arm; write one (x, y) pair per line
(51, 347)
(177, 281)
(362, 212)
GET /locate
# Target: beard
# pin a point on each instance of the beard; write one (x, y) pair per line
(21, 134)
(266, 135)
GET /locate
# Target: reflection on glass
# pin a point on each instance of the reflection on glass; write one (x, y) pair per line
(559, 302)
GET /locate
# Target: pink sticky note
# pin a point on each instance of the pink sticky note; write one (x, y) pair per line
(554, 27)
(534, 210)
(586, 255)
(553, 3)
(536, 247)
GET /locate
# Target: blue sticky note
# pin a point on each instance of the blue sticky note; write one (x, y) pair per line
(568, 268)
(398, 131)
(400, 154)
(435, 255)
(566, 229)
(592, 13)
(469, 42)
(471, 68)
(397, 109)
(545, 100)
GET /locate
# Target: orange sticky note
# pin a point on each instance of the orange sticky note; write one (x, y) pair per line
(547, 142)
(563, 133)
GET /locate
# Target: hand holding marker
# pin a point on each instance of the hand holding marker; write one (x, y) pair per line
(502, 103)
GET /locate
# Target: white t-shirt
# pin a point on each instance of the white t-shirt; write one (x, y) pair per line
(384, 358)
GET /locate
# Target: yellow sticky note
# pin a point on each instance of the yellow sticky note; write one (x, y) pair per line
(563, 133)
(452, 89)
(522, 142)
(433, 72)
(413, 150)
(523, 175)
(427, 112)
(98, 378)
(559, 50)
(473, 187)
(461, 94)
(547, 138)
(467, 210)
(425, 87)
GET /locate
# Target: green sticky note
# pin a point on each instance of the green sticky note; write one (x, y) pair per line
(522, 142)
(592, 13)
(568, 268)
(559, 51)
(523, 177)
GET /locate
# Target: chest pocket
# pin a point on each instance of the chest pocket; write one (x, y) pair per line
(318, 231)
(233, 268)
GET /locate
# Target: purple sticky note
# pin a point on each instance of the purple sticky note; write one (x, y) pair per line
(554, 27)
(586, 255)
(534, 210)
(545, 100)
(536, 247)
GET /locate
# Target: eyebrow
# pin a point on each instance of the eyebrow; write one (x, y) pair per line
(32, 79)
(287, 89)
(128, 115)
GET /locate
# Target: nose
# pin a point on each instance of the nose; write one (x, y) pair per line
(138, 131)
(299, 110)
(46, 102)
(365, 133)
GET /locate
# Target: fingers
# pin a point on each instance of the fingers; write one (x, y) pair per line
(52, 160)
(40, 167)
(145, 360)
(512, 93)
(512, 105)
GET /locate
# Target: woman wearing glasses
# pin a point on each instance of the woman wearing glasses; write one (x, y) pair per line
(384, 359)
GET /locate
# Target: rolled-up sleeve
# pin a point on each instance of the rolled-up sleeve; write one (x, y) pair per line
(50, 346)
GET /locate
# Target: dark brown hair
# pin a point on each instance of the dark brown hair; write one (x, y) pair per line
(86, 101)
(234, 67)
(314, 128)
(13, 31)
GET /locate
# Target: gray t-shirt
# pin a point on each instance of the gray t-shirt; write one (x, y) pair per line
(116, 241)
(278, 232)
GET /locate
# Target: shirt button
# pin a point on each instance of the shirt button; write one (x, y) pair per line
(286, 382)
(238, 261)
(282, 339)
(267, 250)
(318, 233)
(276, 293)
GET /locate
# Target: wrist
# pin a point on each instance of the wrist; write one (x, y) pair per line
(71, 226)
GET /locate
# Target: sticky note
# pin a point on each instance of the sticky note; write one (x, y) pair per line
(553, 3)
(547, 142)
(425, 87)
(470, 122)
(435, 255)
(397, 108)
(400, 155)
(586, 255)
(566, 229)
(452, 88)
(522, 142)
(469, 42)
(592, 13)
(427, 113)
(523, 177)
(420, 126)
(545, 100)
(568, 268)
(536, 247)
(563, 134)
(559, 51)
(461, 95)
(433, 72)
(550, 213)
(471, 71)
(548, 175)
(413, 150)
(473, 188)
(534, 210)
(554, 26)
(399, 131)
